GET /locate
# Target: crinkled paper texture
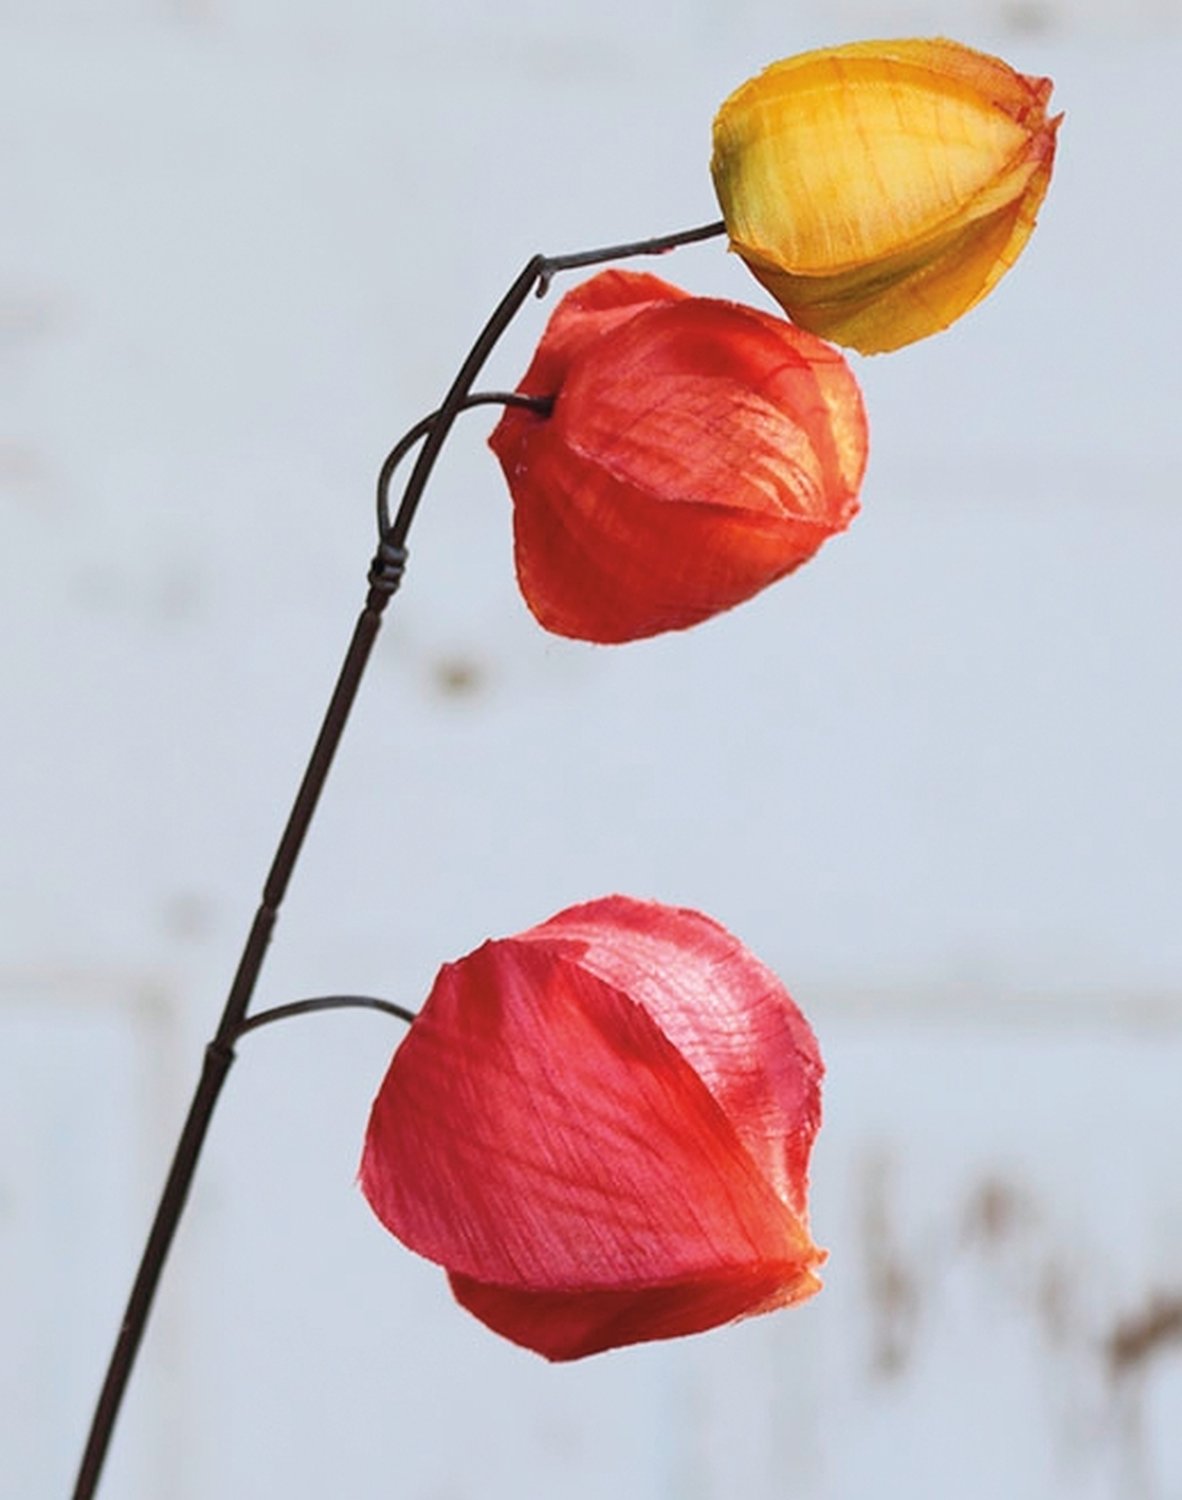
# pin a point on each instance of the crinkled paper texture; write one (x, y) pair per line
(601, 1129)
(696, 452)
(881, 189)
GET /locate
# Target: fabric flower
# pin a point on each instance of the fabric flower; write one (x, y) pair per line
(601, 1129)
(696, 451)
(881, 189)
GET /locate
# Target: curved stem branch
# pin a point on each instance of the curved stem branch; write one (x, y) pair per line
(323, 1002)
(538, 272)
(384, 577)
(420, 430)
(661, 244)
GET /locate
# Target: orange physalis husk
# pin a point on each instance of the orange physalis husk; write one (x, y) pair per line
(881, 189)
(696, 451)
(601, 1129)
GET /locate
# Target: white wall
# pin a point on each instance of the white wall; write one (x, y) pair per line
(933, 779)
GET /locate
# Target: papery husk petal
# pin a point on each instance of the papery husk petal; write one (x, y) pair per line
(918, 292)
(596, 563)
(727, 1015)
(1021, 96)
(536, 1129)
(891, 150)
(696, 452)
(572, 1325)
(592, 310)
(905, 174)
(601, 1128)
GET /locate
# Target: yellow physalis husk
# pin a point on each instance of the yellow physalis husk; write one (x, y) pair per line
(881, 189)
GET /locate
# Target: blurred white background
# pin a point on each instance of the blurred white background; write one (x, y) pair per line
(933, 779)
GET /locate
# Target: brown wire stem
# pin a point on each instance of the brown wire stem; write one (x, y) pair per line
(385, 574)
(322, 1002)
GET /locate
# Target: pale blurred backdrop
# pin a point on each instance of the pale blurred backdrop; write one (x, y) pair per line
(933, 779)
